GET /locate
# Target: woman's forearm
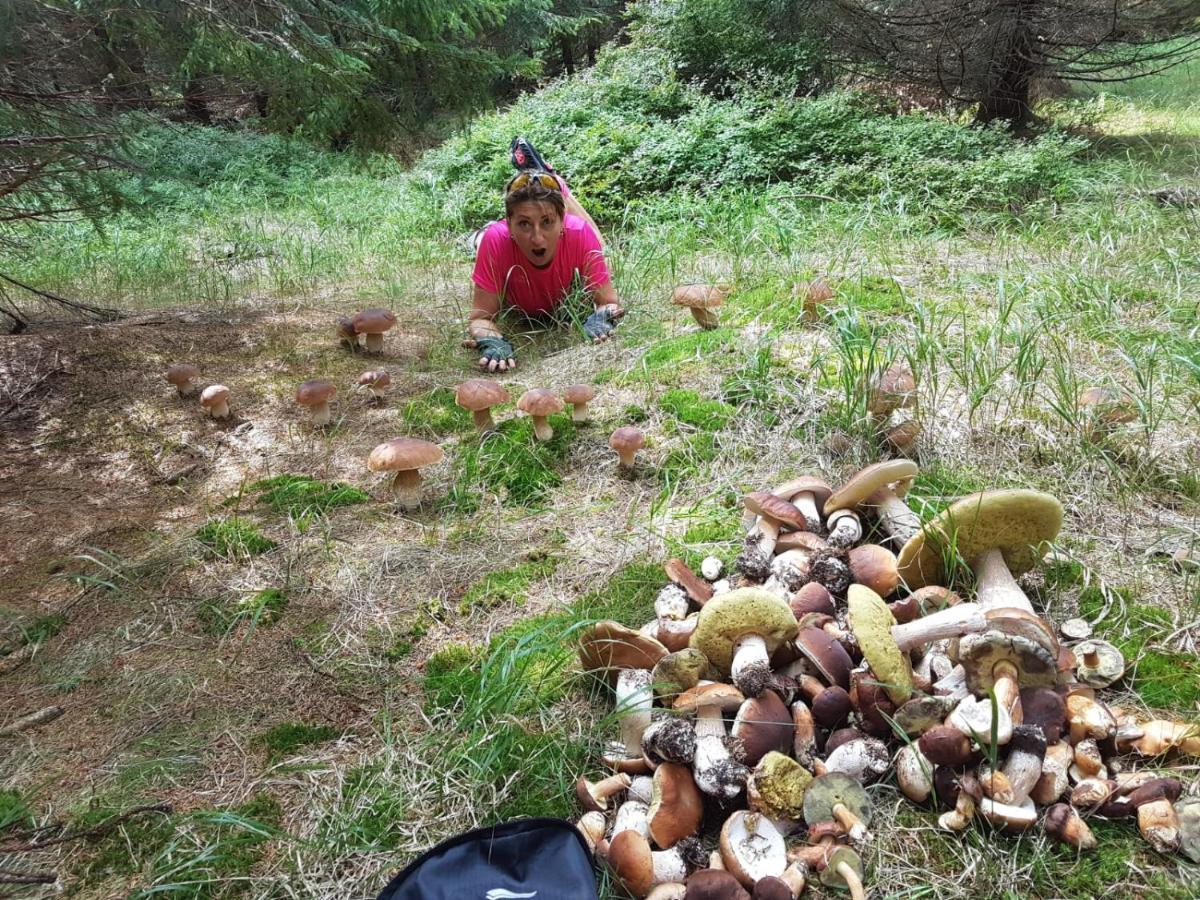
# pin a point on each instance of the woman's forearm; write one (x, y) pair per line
(480, 328)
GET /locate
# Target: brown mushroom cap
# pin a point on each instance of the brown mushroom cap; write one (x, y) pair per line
(318, 390)
(726, 696)
(714, 884)
(213, 394)
(608, 646)
(829, 656)
(479, 393)
(378, 378)
(763, 724)
(897, 389)
(373, 321)
(1015, 522)
(676, 805)
(898, 473)
(766, 504)
(700, 296)
(402, 454)
(735, 614)
(182, 373)
(579, 393)
(540, 402)
(630, 859)
(627, 438)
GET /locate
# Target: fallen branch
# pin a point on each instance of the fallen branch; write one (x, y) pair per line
(12, 876)
(33, 720)
(94, 831)
(101, 313)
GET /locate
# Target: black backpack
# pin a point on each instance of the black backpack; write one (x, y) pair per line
(525, 859)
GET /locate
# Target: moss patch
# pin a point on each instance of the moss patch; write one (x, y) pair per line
(511, 464)
(233, 538)
(700, 413)
(506, 587)
(435, 413)
(302, 498)
(284, 740)
(672, 356)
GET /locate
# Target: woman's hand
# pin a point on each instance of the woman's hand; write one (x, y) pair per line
(495, 354)
(600, 324)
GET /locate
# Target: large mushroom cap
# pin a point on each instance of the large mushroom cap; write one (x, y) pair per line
(700, 296)
(827, 655)
(872, 621)
(712, 693)
(579, 393)
(1015, 522)
(310, 393)
(540, 402)
(751, 847)
(827, 791)
(980, 655)
(182, 373)
(630, 860)
(897, 473)
(608, 646)
(378, 378)
(213, 394)
(735, 614)
(401, 454)
(676, 805)
(373, 321)
(627, 438)
(714, 884)
(480, 393)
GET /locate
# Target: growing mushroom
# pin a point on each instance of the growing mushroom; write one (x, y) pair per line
(316, 395)
(813, 295)
(540, 404)
(373, 323)
(627, 441)
(579, 396)
(478, 396)
(215, 401)
(376, 381)
(739, 630)
(882, 486)
(1103, 410)
(1000, 534)
(701, 300)
(183, 376)
(346, 333)
(896, 389)
(406, 457)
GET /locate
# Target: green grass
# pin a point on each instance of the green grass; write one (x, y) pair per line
(261, 608)
(14, 812)
(505, 587)
(696, 412)
(435, 414)
(233, 538)
(668, 360)
(302, 498)
(511, 465)
(285, 739)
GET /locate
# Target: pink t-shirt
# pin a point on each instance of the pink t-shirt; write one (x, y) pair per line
(501, 268)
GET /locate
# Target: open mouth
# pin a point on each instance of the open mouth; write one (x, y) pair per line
(541, 256)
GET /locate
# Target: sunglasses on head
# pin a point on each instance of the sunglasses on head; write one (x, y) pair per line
(524, 179)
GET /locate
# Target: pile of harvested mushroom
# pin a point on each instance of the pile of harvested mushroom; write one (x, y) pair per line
(756, 709)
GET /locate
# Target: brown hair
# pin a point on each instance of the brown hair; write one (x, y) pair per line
(535, 192)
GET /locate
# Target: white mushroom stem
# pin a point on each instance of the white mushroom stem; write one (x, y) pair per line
(749, 656)
(591, 826)
(960, 817)
(767, 534)
(483, 419)
(187, 388)
(632, 815)
(804, 741)
(641, 788)
(845, 528)
(974, 719)
(795, 877)
(543, 432)
(855, 827)
(220, 409)
(375, 342)
(852, 881)
(579, 411)
(712, 756)
(806, 503)
(668, 865)
(407, 488)
(1159, 824)
(954, 621)
(896, 520)
(953, 685)
(1023, 770)
(321, 414)
(1012, 817)
(994, 585)
(634, 701)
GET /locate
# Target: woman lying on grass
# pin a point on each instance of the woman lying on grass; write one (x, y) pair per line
(530, 259)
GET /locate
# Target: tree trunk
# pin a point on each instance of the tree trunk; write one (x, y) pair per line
(565, 44)
(261, 100)
(1011, 71)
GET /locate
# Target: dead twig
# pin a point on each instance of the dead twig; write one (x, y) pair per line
(13, 876)
(95, 831)
(33, 720)
(100, 313)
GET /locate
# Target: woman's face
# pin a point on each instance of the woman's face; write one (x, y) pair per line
(536, 227)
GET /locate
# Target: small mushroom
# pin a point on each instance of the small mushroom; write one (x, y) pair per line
(1098, 663)
(215, 401)
(376, 381)
(1009, 817)
(774, 513)
(1075, 629)
(1023, 768)
(1103, 410)
(579, 396)
(183, 376)
(540, 404)
(1064, 824)
(316, 395)
(373, 323)
(813, 295)
(346, 333)
(715, 771)
(896, 389)
(739, 630)
(478, 396)
(763, 724)
(627, 441)
(839, 797)
(844, 869)
(702, 300)
(914, 773)
(969, 795)
(406, 457)
(874, 567)
(595, 796)
(776, 787)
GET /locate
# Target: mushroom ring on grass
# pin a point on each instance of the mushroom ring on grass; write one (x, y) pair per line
(405, 457)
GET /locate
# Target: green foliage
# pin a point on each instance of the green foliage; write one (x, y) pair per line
(233, 538)
(265, 607)
(13, 810)
(511, 464)
(436, 414)
(505, 587)
(667, 358)
(755, 387)
(697, 412)
(285, 739)
(302, 498)
(43, 628)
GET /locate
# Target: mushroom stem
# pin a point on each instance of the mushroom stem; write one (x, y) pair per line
(806, 503)
(716, 772)
(1091, 656)
(852, 881)
(634, 700)
(321, 414)
(994, 585)
(845, 528)
(541, 428)
(579, 412)
(219, 410)
(705, 318)
(751, 666)
(853, 824)
(896, 520)
(628, 458)
(407, 488)
(954, 621)
(375, 342)
(483, 419)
